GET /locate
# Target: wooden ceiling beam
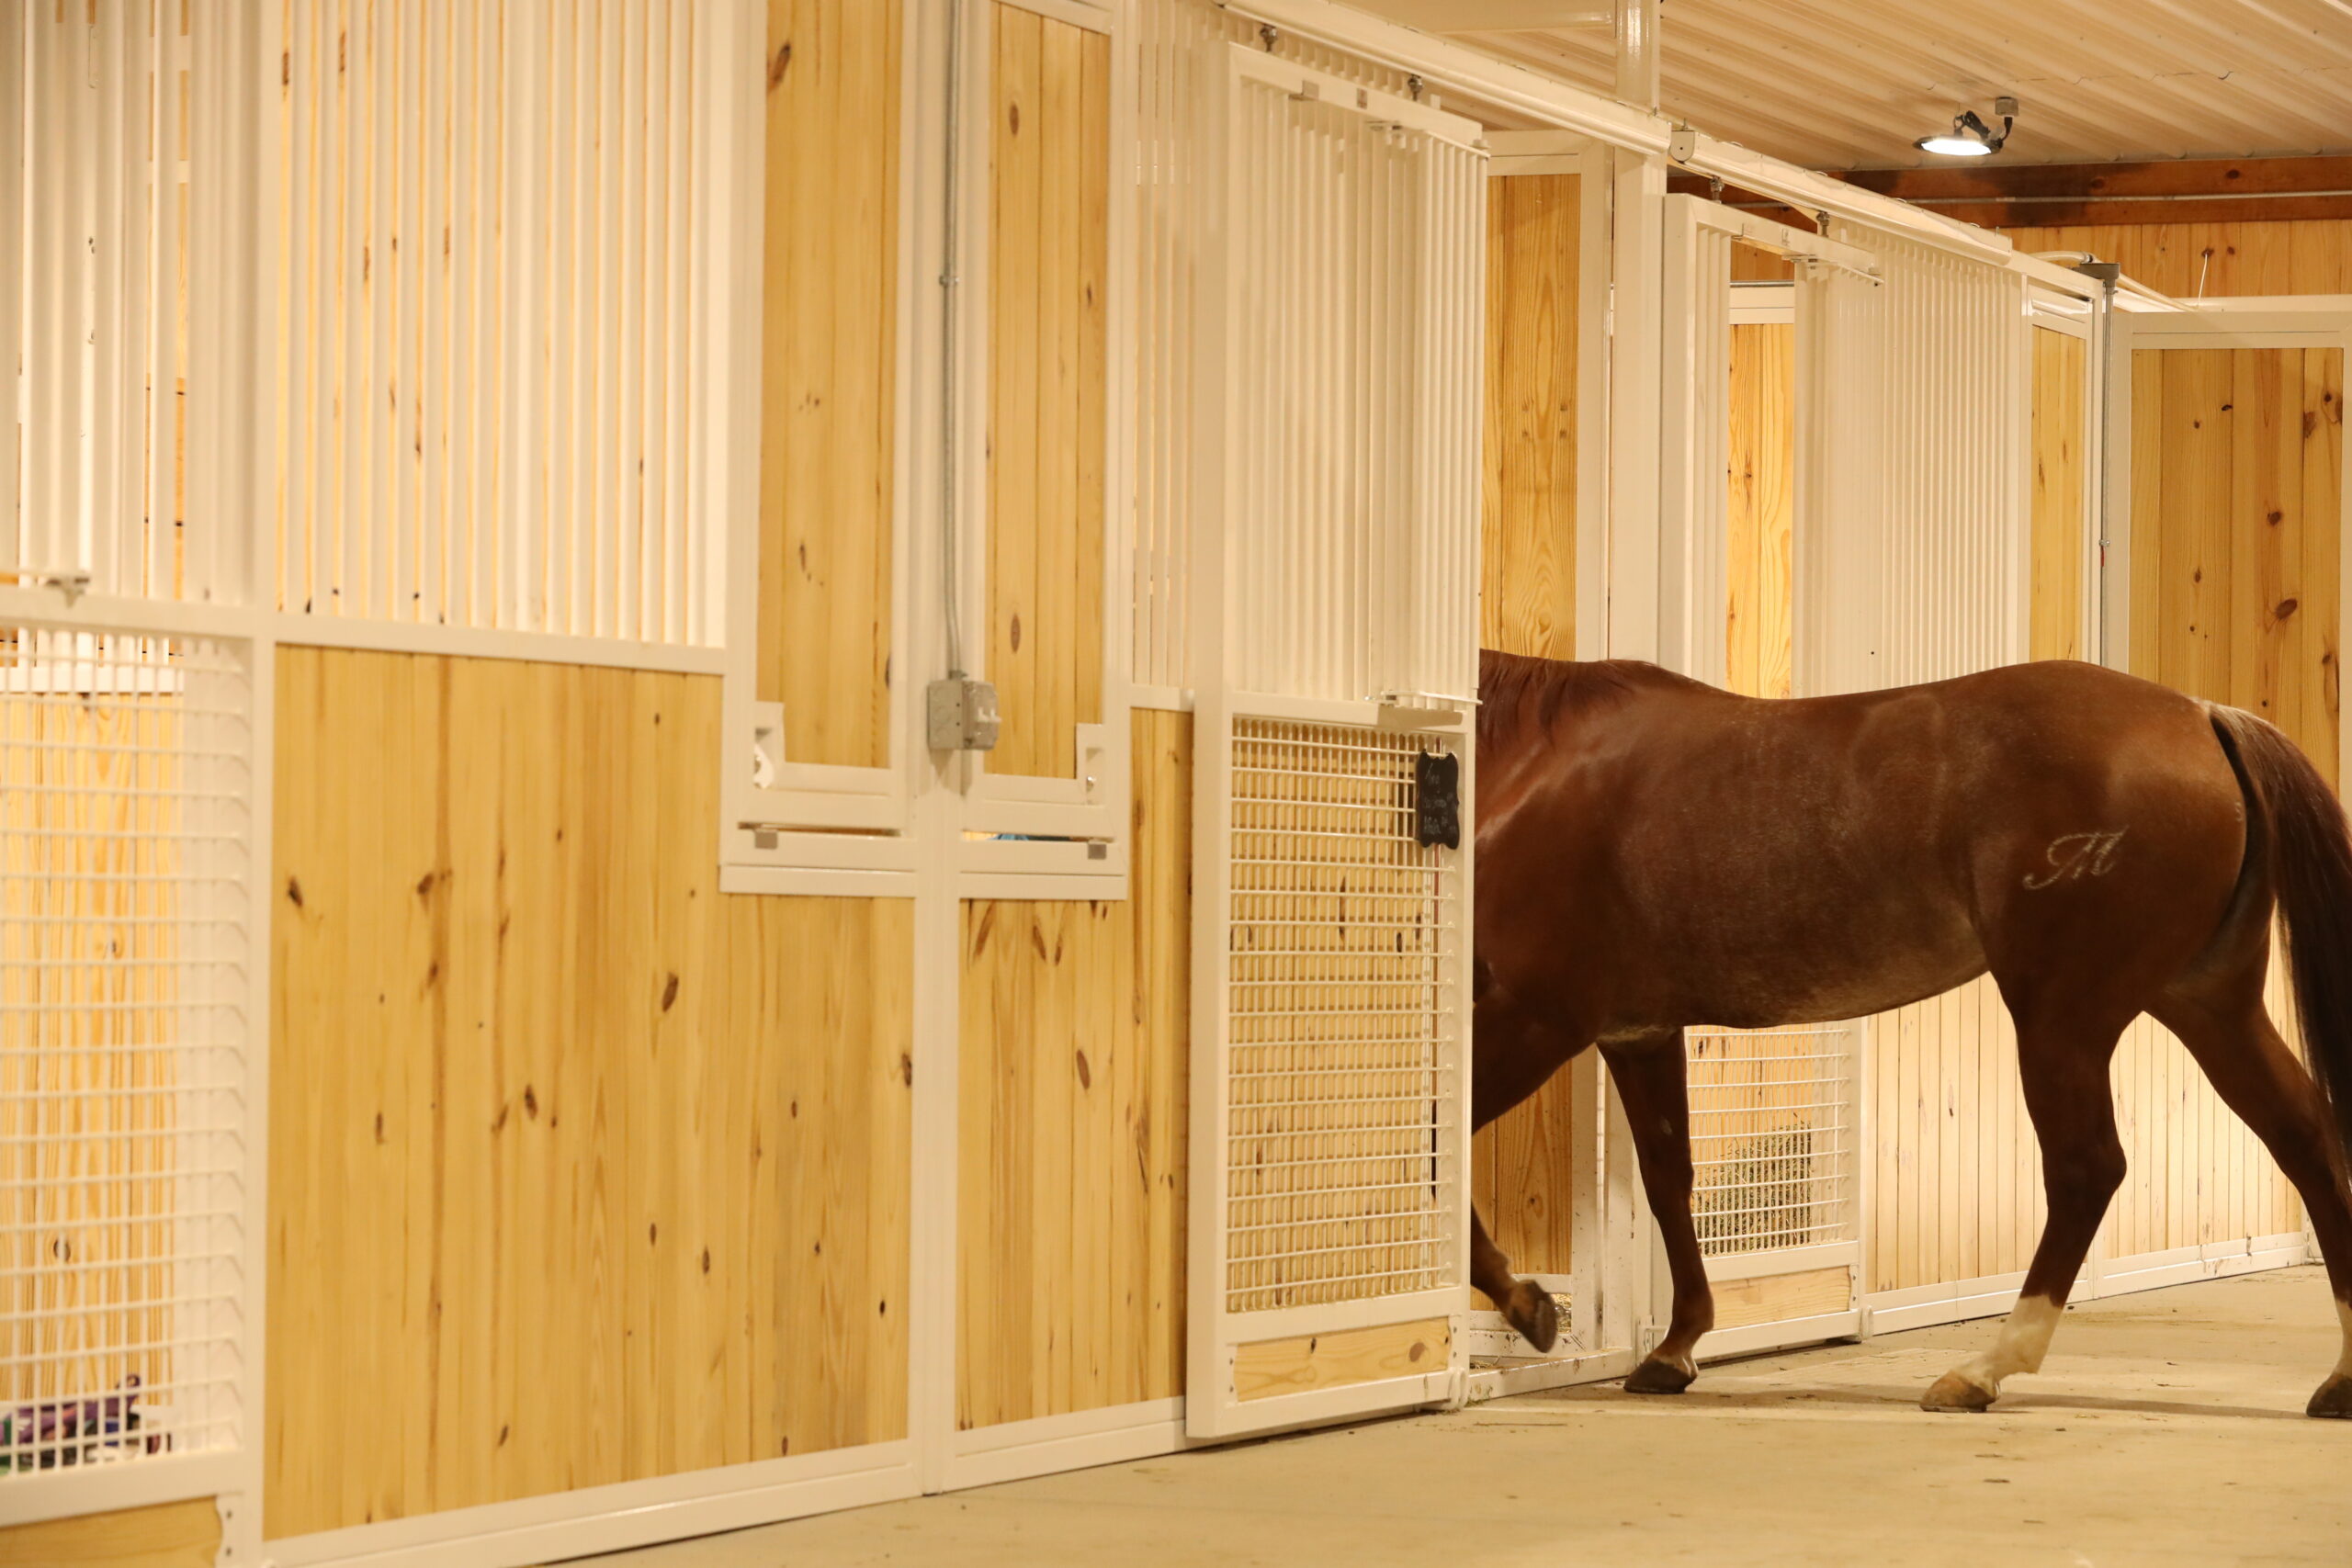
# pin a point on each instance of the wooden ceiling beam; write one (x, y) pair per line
(2183, 190)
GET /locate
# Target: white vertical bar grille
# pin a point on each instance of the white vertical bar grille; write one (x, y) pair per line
(1954, 519)
(92, 302)
(1362, 241)
(1441, 568)
(1839, 588)
(1773, 1137)
(1343, 1008)
(1354, 557)
(16, 263)
(124, 941)
(485, 393)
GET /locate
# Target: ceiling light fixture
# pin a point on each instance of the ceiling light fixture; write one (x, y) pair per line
(1970, 137)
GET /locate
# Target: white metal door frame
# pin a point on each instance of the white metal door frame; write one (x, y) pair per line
(1415, 712)
(2130, 332)
(1695, 416)
(1699, 307)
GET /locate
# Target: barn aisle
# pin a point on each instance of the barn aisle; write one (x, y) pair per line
(2167, 1429)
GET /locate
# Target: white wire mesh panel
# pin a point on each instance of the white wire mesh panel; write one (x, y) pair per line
(92, 301)
(124, 835)
(1771, 1137)
(488, 318)
(1344, 1023)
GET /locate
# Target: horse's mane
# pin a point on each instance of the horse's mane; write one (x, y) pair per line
(1520, 695)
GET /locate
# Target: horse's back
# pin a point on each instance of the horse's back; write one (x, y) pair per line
(1747, 861)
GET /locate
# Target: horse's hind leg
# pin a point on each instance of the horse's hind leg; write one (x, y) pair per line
(2062, 1065)
(1524, 1305)
(1651, 1076)
(2259, 1078)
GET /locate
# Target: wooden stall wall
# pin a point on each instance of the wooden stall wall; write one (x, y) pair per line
(828, 415)
(1527, 605)
(2235, 557)
(1957, 1182)
(1048, 386)
(2190, 261)
(1761, 638)
(2060, 500)
(1956, 1189)
(2236, 573)
(168, 1535)
(1074, 1034)
(1956, 1201)
(581, 1170)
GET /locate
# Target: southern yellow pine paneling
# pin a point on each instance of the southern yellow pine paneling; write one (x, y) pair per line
(581, 1170)
(2234, 597)
(1273, 1367)
(169, 1535)
(1074, 1040)
(2195, 1174)
(2212, 260)
(1957, 1181)
(1527, 605)
(1763, 483)
(2236, 490)
(2234, 507)
(1751, 265)
(828, 415)
(1527, 597)
(2061, 501)
(1048, 267)
(1520, 1179)
(1773, 1298)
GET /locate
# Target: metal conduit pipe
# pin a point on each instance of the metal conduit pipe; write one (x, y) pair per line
(949, 285)
(1637, 53)
(2078, 258)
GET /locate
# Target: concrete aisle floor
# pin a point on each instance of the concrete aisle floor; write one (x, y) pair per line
(2166, 1428)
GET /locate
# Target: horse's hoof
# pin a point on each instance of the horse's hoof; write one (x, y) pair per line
(2334, 1400)
(1530, 1310)
(1659, 1376)
(1957, 1391)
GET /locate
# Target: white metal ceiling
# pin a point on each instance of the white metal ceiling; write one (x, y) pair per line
(1849, 83)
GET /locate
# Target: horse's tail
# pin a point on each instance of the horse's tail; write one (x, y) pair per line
(2294, 818)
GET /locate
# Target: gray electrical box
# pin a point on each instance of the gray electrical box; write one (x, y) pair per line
(962, 714)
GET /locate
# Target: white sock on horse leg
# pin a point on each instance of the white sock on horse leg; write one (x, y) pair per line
(2024, 1341)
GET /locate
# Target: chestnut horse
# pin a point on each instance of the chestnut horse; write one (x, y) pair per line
(1654, 853)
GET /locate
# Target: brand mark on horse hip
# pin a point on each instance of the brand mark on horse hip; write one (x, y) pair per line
(2073, 856)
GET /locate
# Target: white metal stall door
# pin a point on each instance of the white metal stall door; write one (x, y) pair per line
(131, 703)
(1334, 597)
